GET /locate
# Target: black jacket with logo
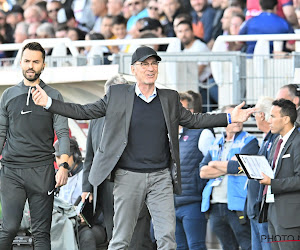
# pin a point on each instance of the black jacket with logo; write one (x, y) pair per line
(27, 130)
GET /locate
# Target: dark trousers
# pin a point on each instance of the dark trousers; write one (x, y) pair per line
(279, 237)
(226, 225)
(18, 184)
(190, 227)
(91, 238)
(141, 239)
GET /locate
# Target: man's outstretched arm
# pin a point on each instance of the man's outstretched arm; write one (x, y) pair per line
(71, 110)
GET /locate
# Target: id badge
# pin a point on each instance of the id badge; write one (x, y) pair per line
(270, 196)
(217, 182)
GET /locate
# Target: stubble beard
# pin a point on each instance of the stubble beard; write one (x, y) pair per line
(34, 78)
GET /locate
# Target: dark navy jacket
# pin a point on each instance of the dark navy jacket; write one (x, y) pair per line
(255, 190)
(190, 157)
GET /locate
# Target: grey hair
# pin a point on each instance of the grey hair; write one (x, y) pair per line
(23, 26)
(264, 104)
(47, 28)
(117, 79)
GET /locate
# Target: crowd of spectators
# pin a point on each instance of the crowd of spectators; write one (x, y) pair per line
(130, 19)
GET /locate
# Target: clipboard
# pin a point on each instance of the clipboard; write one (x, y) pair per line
(86, 211)
(254, 165)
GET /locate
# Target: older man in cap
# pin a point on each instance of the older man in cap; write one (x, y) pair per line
(140, 146)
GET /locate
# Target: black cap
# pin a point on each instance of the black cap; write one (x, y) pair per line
(142, 53)
(16, 9)
(150, 24)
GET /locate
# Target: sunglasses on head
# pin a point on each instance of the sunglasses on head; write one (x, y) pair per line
(153, 8)
(54, 10)
(134, 3)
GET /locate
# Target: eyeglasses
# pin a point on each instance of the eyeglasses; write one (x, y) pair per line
(153, 8)
(134, 3)
(145, 65)
(54, 10)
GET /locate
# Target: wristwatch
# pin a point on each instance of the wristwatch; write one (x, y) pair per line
(64, 165)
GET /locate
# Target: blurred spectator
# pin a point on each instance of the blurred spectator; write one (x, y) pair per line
(296, 4)
(226, 19)
(153, 8)
(135, 31)
(137, 10)
(181, 17)
(28, 3)
(2, 53)
(114, 7)
(33, 14)
(91, 36)
(284, 9)
(99, 9)
(5, 5)
(150, 35)
(203, 16)
(66, 16)
(171, 9)
(44, 13)
(125, 10)
(297, 11)
(76, 34)
(153, 26)
(14, 16)
(52, 8)
(83, 13)
(21, 32)
(5, 29)
(291, 92)
(224, 196)
(89, 238)
(236, 21)
(32, 34)
(61, 31)
(197, 101)
(106, 26)
(219, 6)
(190, 221)
(255, 190)
(119, 32)
(45, 30)
(273, 24)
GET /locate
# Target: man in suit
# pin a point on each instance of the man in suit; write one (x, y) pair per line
(102, 194)
(141, 151)
(255, 190)
(283, 193)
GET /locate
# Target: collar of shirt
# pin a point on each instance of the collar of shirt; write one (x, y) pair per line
(140, 94)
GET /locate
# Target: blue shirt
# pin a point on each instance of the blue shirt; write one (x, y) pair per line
(133, 19)
(265, 23)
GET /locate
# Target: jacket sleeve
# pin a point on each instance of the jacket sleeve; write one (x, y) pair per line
(250, 148)
(60, 125)
(205, 160)
(3, 121)
(198, 120)
(80, 112)
(89, 156)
